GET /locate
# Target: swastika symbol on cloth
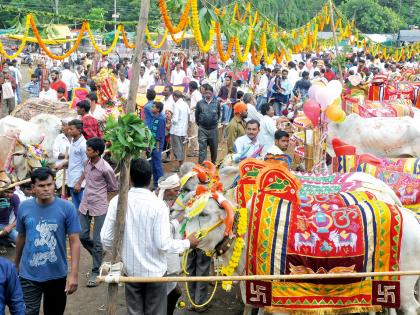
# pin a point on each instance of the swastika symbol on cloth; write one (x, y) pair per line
(258, 294)
(386, 293)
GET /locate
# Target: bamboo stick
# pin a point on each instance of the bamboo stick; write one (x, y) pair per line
(25, 181)
(122, 279)
(332, 24)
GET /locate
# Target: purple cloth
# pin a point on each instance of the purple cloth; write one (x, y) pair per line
(100, 179)
(7, 205)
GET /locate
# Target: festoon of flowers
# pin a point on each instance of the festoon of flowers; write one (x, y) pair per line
(22, 44)
(183, 21)
(150, 41)
(223, 56)
(196, 29)
(242, 57)
(95, 45)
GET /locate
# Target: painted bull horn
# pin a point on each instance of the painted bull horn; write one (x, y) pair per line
(211, 168)
(230, 214)
(201, 173)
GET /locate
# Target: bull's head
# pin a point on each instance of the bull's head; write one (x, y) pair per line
(24, 159)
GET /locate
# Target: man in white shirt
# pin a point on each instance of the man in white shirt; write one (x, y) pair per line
(179, 127)
(47, 92)
(168, 102)
(248, 146)
(249, 100)
(61, 146)
(96, 109)
(178, 75)
(149, 68)
(293, 76)
(281, 143)
(70, 79)
(123, 84)
(147, 241)
(18, 77)
(262, 87)
(195, 97)
(144, 80)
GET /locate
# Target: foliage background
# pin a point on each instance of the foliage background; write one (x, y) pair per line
(372, 16)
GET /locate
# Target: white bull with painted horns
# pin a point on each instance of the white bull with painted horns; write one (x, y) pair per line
(282, 233)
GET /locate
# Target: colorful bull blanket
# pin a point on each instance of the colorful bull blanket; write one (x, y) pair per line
(322, 235)
(368, 109)
(402, 175)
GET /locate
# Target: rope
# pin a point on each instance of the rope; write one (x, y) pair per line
(184, 264)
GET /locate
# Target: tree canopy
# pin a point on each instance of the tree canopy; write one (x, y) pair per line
(371, 16)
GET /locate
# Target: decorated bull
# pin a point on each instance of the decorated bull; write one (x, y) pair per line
(23, 144)
(391, 137)
(282, 233)
(401, 174)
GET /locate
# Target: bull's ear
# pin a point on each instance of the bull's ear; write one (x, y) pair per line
(18, 153)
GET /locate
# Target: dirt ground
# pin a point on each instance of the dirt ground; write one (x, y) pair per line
(93, 301)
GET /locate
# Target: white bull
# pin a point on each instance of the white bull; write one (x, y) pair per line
(381, 136)
(410, 249)
(41, 129)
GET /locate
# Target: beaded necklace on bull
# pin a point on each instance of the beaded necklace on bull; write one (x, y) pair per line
(235, 223)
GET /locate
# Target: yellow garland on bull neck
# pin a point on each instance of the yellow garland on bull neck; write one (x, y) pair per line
(150, 41)
(97, 48)
(22, 44)
(237, 248)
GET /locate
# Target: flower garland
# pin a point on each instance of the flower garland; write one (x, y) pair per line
(178, 41)
(243, 57)
(22, 44)
(237, 15)
(254, 21)
(150, 41)
(223, 57)
(237, 248)
(267, 58)
(255, 56)
(47, 51)
(98, 49)
(125, 40)
(183, 21)
(196, 29)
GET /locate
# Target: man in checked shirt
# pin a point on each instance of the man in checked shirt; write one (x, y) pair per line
(100, 184)
(90, 124)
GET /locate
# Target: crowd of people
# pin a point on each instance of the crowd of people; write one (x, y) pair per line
(246, 112)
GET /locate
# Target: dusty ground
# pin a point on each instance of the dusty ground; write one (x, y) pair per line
(92, 301)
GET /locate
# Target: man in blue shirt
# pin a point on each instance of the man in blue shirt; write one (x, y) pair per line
(43, 224)
(148, 115)
(158, 128)
(10, 290)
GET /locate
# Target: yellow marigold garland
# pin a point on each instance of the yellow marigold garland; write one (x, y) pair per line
(255, 56)
(22, 44)
(183, 21)
(237, 249)
(47, 51)
(237, 15)
(243, 57)
(150, 41)
(195, 28)
(267, 58)
(98, 49)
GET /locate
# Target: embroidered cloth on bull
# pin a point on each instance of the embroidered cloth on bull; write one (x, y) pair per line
(325, 234)
(402, 175)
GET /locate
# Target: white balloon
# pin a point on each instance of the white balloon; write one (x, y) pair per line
(335, 87)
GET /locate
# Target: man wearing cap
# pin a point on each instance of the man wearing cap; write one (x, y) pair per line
(236, 127)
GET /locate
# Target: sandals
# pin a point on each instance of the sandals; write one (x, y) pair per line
(91, 283)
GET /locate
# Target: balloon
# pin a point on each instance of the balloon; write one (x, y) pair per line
(312, 111)
(324, 97)
(335, 87)
(313, 91)
(335, 114)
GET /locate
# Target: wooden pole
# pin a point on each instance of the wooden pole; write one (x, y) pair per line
(125, 165)
(332, 24)
(263, 277)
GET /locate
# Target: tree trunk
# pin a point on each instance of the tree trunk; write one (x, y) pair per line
(125, 165)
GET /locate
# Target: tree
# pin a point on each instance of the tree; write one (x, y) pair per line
(371, 17)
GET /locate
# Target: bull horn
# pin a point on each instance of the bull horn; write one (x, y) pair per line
(201, 189)
(211, 168)
(230, 214)
(201, 173)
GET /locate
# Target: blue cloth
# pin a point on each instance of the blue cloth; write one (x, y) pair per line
(10, 289)
(157, 167)
(148, 115)
(12, 236)
(76, 198)
(77, 159)
(44, 255)
(158, 128)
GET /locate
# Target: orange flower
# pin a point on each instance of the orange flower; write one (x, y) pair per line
(183, 21)
(223, 57)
